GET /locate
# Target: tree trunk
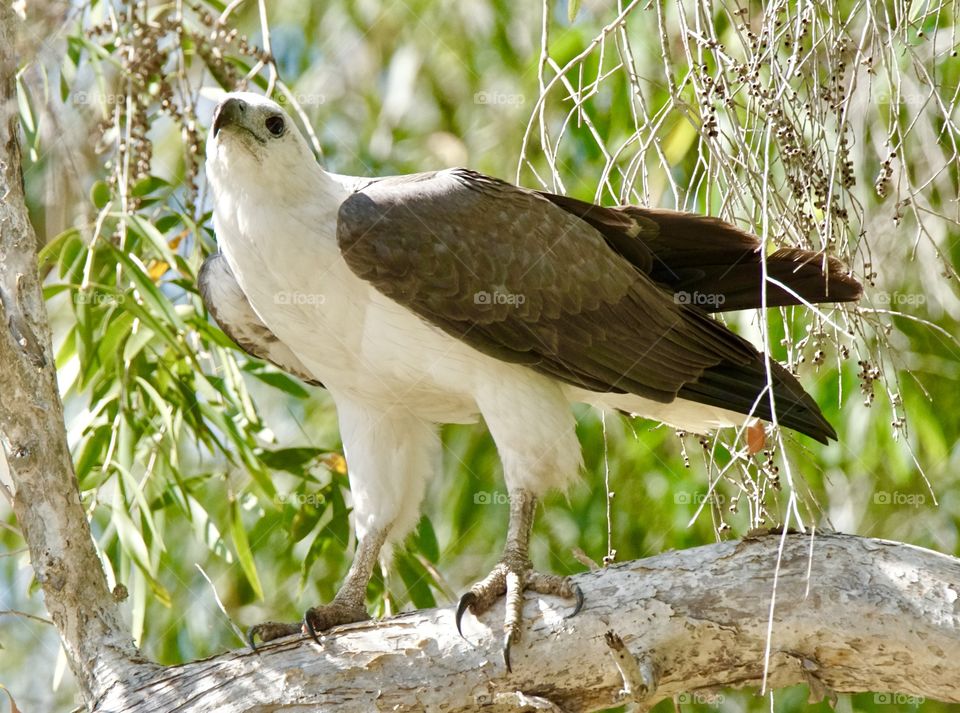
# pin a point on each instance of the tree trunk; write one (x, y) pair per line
(46, 500)
(851, 614)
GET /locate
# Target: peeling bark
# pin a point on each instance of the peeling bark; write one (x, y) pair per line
(46, 499)
(872, 616)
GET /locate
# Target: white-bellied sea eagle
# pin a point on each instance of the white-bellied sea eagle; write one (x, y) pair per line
(448, 296)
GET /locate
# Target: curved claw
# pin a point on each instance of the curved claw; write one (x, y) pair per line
(465, 602)
(506, 653)
(578, 593)
(251, 638)
(311, 629)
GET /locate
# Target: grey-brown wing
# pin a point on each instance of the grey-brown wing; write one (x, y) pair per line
(519, 278)
(229, 306)
(508, 272)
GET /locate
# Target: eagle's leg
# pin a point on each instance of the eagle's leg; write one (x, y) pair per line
(514, 574)
(348, 606)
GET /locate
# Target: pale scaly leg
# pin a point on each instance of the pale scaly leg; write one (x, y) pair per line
(389, 456)
(514, 574)
(348, 606)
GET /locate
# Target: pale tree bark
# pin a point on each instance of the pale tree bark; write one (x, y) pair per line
(850, 614)
(46, 498)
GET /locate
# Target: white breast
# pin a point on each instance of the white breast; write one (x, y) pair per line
(352, 338)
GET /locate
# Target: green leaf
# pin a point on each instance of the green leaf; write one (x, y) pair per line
(279, 380)
(425, 540)
(150, 293)
(163, 408)
(52, 250)
(131, 541)
(207, 531)
(100, 195)
(241, 544)
(416, 579)
(149, 231)
(292, 460)
(148, 185)
(309, 511)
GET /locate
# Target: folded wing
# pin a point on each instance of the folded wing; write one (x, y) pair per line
(525, 280)
(229, 306)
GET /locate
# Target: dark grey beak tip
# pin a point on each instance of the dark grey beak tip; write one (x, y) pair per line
(227, 113)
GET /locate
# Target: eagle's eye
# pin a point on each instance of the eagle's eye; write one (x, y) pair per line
(274, 125)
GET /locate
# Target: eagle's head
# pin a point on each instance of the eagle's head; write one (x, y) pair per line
(253, 139)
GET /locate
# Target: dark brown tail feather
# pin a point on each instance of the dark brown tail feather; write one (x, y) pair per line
(713, 264)
(742, 388)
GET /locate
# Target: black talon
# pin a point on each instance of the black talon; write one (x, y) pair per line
(506, 655)
(251, 638)
(310, 628)
(465, 601)
(578, 593)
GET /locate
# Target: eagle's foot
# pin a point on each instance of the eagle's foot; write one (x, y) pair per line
(315, 620)
(270, 630)
(511, 577)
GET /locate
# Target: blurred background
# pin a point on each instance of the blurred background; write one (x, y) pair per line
(830, 126)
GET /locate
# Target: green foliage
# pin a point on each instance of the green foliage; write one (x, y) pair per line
(190, 454)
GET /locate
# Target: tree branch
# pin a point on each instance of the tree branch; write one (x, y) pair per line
(46, 501)
(871, 616)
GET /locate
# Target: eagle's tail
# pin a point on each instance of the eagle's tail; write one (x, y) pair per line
(743, 388)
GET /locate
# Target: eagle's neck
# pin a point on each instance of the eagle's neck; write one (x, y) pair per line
(270, 226)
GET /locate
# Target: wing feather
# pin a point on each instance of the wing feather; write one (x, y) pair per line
(518, 277)
(695, 255)
(233, 312)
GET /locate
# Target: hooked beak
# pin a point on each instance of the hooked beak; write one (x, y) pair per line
(230, 112)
